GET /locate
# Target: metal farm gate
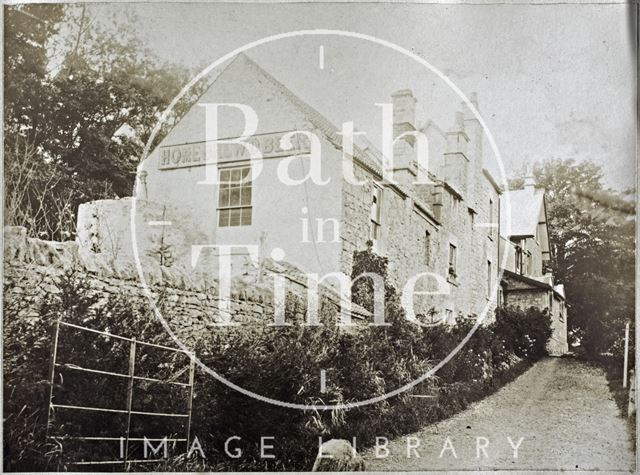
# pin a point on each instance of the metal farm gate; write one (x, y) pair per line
(131, 376)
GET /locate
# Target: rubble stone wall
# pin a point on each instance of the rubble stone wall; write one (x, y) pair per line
(189, 300)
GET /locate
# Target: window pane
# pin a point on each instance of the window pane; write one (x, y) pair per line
(246, 195)
(224, 176)
(235, 197)
(375, 210)
(223, 220)
(376, 198)
(246, 216)
(224, 198)
(234, 217)
(235, 175)
(245, 172)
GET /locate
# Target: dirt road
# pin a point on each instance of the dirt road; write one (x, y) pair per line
(559, 414)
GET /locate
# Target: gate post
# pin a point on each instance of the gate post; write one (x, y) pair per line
(132, 368)
(52, 373)
(192, 367)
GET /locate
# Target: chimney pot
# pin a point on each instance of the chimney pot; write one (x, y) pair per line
(529, 180)
(473, 99)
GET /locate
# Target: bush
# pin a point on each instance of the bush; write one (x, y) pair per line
(282, 363)
(286, 363)
(524, 333)
(26, 366)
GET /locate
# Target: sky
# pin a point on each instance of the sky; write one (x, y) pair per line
(552, 80)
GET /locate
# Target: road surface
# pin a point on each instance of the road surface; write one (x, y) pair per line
(559, 414)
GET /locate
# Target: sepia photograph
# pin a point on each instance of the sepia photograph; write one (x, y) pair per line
(319, 236)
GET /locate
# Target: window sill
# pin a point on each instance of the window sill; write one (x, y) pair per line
(239, 226)
(453, 281)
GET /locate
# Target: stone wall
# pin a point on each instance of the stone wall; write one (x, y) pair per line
(105, 227)
(403, 240)
(188, 300)
(529, 297)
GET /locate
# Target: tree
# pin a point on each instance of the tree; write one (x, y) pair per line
(28, 29)
(592, 240)
(98, 95)
(112, 93)
(39, 195)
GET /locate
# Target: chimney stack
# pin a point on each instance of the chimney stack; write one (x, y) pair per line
(529, 180)
(404, 117)
(456, 161)
(475, 134)
(404, 113)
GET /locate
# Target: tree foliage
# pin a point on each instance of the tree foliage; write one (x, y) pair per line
(27, 31)
(84, 96)
(593, 243)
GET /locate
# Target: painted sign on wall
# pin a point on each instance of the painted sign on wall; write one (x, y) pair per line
(195, 154)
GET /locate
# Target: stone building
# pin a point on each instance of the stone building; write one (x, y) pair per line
(441, 234)
(526, 282)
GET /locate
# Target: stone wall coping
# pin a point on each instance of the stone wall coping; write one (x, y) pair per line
(21, 249)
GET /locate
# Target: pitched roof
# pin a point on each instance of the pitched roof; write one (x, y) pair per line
(369, 157)
(542, 283)
(526, 205)
(366, 154)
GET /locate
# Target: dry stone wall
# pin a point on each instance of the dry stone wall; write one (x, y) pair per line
(189, 300)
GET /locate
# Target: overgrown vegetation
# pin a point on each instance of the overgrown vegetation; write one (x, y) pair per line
(592, 235)
(282, 363)
(613, 369)
(28, 336)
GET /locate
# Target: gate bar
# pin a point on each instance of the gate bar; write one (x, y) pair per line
(120, 411)
(121, 375)
(105, 462)
(131, 376)
(137, 439)
(111, 335)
